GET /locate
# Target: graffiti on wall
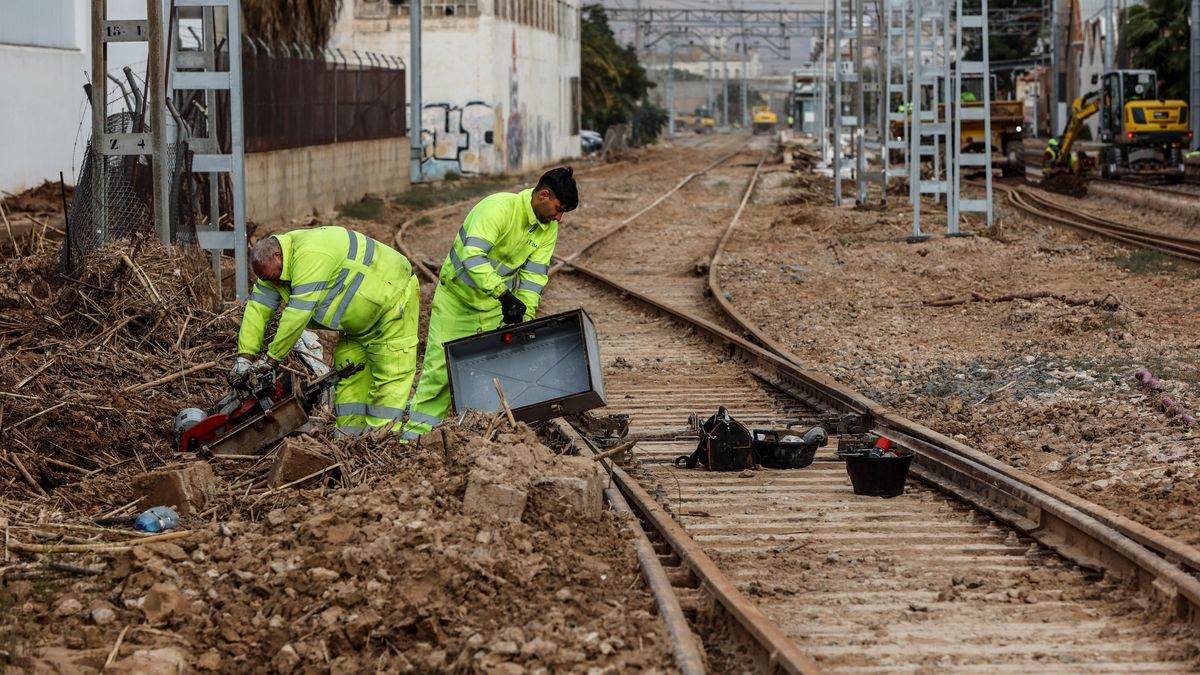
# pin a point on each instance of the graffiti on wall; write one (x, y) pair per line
(529, 139)
(463, 139)
(478, 138)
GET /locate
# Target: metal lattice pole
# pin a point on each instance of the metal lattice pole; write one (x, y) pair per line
(979, 71)
(860, 155)
(839, 76)
(209, 157)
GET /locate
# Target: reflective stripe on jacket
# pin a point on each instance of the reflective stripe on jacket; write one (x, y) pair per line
(332, 278)
(501, 246)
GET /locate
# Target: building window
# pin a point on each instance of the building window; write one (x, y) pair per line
(430, 9)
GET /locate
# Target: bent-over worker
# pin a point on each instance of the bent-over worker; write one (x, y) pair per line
(495, 272)
(337, 279)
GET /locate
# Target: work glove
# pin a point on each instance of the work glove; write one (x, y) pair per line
(514, 309)
(243, 368)
(240, 372)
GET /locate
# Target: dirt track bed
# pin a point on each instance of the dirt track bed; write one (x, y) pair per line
(1043, 384)
(398, 572)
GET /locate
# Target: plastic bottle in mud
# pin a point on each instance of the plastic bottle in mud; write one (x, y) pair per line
(157, 519)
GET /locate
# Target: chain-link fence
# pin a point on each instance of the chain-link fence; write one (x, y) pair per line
(114, 197)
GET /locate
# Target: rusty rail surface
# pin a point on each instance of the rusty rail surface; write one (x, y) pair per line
(1184, 248)
(1079, 530)
(1084, 532)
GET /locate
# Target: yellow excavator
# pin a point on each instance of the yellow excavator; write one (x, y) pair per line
(762, 118)
(1143, 136)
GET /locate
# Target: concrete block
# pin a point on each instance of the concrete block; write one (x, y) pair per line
(187, 490)
(293, 463)
(585, 495)
(505, 503)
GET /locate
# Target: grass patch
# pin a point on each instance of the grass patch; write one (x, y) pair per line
(1146, 261)
(368, 208)
(421, 197)
(423, 221)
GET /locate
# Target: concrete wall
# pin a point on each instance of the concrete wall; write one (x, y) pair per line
(497, 92)
(45, 59)
(287, 184)
(43, 56)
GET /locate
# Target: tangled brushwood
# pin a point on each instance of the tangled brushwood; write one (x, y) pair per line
(94, 365)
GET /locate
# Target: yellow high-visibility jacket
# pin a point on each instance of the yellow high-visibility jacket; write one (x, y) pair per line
(332, 278)
(501, 246)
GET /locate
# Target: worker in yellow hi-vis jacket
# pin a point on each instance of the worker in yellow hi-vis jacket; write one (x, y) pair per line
(495, 272)
(338, 279)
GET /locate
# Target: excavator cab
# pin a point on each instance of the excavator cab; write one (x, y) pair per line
(1133, 92)
(1143, 134)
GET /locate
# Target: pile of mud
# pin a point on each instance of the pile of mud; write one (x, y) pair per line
(397, 574)
(90, 362)
(45, 198)
(1065, 184)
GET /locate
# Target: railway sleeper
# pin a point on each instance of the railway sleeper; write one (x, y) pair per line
(1073, 534)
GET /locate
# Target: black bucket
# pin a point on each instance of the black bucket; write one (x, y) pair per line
(773, 452)
(878, 476)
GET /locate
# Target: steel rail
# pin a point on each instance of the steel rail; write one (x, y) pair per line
(402, 230)
(688, 655)
(1183, 248)
(773, 651)
(772, 646)
(1146, 186)
(1080, 530)
(625, 223)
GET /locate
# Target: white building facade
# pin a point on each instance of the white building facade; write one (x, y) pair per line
(44, 60)
(500, 78)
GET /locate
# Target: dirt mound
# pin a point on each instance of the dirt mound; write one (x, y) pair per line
(1065, 184)
(45, 198)
(394, 574)
(86, 366)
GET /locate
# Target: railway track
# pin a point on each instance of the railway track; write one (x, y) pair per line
(1184, 248)
(977, 568)
(1159, 189)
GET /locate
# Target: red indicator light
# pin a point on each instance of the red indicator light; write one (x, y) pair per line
(506, 338)
(1131, 134)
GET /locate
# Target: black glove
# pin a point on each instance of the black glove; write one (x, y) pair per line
(514, 309)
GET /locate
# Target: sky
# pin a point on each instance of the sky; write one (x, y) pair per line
(800, 46)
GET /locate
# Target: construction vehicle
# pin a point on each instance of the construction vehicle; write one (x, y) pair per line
(1059, 158)
(1007, 118)
(762, 119)
(704, 121)
(1144, 136)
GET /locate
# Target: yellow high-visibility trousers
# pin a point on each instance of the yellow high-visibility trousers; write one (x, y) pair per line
(375, 396)
(449, 319)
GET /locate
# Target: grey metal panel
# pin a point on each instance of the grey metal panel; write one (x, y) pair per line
(547, 367)
(973, 205)
(190, 60)
(201, 80)
(212, 239)
(595, 365)
(211, 163)
(201, 3)
(972, 159)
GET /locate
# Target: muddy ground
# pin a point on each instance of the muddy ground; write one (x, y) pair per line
(1046, 384)
(454, 556)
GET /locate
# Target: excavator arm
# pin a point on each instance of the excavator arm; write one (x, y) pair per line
(1084, 107)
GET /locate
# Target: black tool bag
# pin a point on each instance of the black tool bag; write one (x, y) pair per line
(725, 445)
(786, 448)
